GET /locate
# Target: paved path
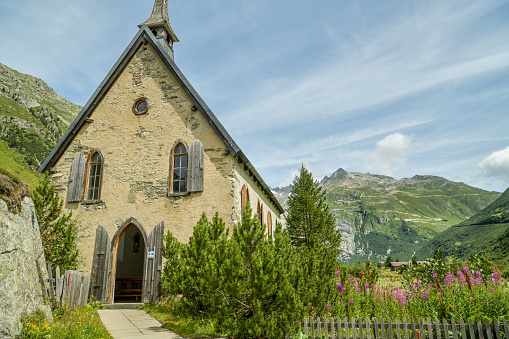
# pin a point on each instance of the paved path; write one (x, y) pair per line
(134, 324)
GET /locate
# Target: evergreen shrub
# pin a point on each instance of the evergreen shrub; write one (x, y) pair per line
(252, 285)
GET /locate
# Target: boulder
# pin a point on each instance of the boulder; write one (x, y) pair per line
(21, 254)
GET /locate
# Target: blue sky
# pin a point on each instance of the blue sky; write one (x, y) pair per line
(388, 87)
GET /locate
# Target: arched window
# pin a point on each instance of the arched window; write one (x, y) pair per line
(260, 213)
(179, 169)
(244, 197)
(94, 176)
(269, 223)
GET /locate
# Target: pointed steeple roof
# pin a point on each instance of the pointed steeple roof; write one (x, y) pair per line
(161, 19)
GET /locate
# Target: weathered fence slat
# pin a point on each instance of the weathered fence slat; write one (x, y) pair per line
(446, 329)
(382, 325)
(471, 329)
(353, 328)
(479, 328)
(454, 330)
(398, 330)
(332, 327)
(390, 328)
(414, 331)
(430, 329)
(506, 328)
(51, 289)
(405, 328)
(359, 322)
(306, 326)
(488, 329)
(70, 289)
(437, 329)
(376, 328)
(312, 321)
(347, 335)
(497, 328)
(319, 327)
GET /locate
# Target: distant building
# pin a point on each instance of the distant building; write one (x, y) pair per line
(395, 264)
(146, 155)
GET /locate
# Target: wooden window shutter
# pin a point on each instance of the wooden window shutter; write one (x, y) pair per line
(76, 178)
(195, 167)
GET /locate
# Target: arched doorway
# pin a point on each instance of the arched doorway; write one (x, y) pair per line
(105, 285)
(129, 265)
(128, 262)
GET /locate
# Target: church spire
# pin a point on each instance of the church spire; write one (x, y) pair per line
(159, 23)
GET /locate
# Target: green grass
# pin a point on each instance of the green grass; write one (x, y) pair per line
(67, 324)
(9, 107)
(13, 164)
(176, 318)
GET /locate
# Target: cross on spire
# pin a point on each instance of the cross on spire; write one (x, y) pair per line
(159, 23)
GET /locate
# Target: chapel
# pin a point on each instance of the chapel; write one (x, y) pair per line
(146, 155)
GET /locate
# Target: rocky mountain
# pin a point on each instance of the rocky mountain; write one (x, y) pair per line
(487, 232)
(32, 119)
(379, 215)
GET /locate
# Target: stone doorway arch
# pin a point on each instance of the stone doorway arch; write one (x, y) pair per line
(128, 276)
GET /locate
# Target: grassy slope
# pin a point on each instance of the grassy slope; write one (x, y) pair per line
(401, 215)
(14, 164)
(487, 232)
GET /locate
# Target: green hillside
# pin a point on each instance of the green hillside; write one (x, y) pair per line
(379, 215)
(32, 119)
(14, 165)
(487, 232)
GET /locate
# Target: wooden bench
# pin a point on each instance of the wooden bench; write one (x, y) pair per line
(125, 288)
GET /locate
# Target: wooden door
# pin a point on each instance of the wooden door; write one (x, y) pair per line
(153, 265)
(101, 267)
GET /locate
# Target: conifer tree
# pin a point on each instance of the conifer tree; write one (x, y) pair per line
(59, 231)
(309, 220)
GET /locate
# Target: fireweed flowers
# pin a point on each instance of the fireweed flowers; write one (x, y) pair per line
(460, 295)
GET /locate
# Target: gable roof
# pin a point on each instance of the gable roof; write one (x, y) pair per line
(144, 36)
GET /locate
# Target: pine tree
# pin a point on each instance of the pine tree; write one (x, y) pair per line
(309, 220)
(59, 231)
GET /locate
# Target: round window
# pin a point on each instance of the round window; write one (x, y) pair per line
(141, 106)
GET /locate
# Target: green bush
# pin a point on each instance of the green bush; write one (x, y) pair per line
(251, 285)
(59, 230)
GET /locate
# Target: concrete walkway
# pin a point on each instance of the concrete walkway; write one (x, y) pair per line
(134, 324)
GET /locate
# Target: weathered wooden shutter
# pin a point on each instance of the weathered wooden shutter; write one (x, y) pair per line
(195, 167)
(101, 267)
(76, 178)
(153, 265)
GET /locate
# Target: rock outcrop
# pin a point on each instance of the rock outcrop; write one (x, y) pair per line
(21, 255)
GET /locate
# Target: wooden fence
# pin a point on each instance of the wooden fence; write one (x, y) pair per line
(70, 289)
(388, 329)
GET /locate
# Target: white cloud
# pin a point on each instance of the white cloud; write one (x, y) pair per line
(390, 154)
(496, 165)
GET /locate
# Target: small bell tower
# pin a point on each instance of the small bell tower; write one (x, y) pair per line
(159, 23)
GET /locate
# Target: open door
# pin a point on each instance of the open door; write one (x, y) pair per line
(101, 266)
(153, 265)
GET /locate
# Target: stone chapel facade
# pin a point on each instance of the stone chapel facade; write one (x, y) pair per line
(146, 155)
